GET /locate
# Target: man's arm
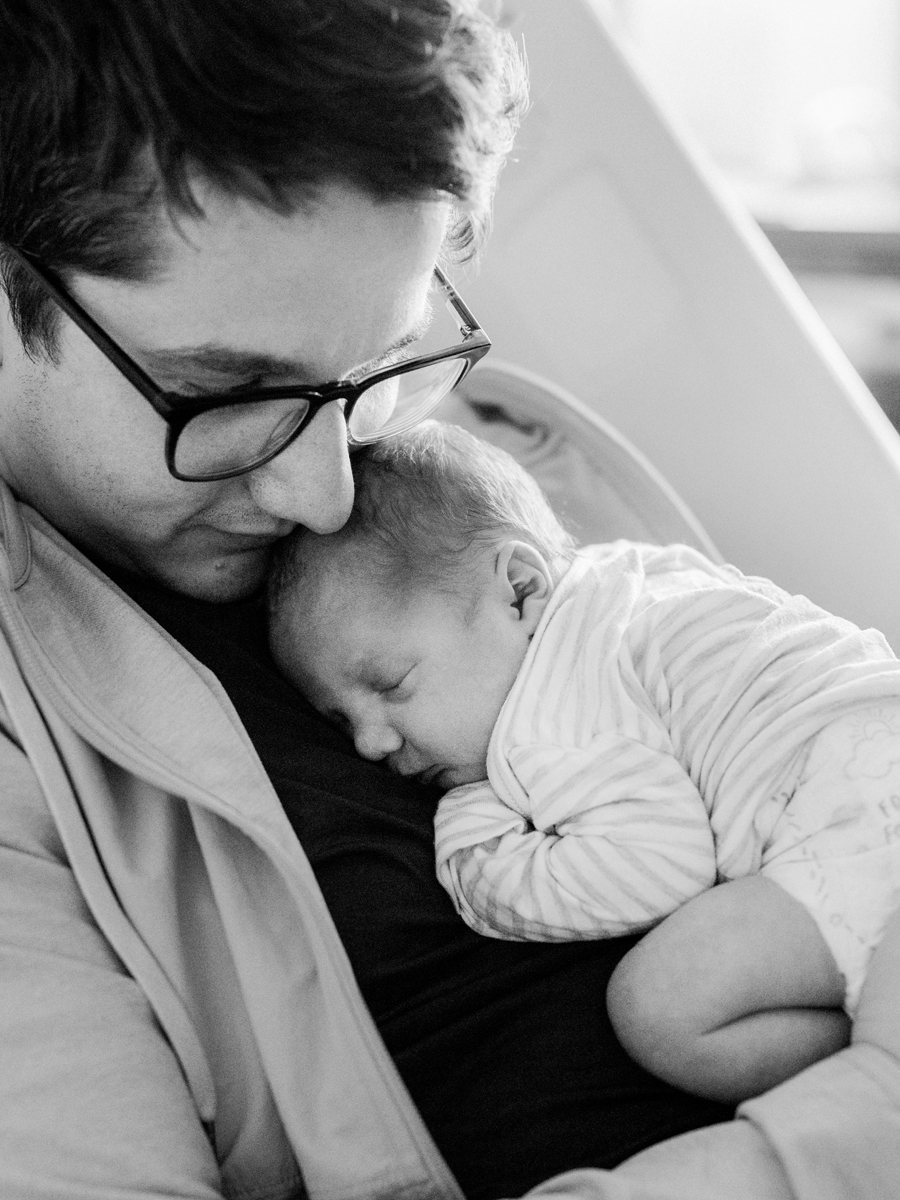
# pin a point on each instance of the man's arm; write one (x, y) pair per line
(830, 1133)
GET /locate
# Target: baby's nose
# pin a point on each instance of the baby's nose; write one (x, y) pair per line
(376, 740)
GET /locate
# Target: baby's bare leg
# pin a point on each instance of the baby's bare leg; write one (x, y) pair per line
(733, 993)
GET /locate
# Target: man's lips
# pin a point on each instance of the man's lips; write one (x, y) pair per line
(239, 539)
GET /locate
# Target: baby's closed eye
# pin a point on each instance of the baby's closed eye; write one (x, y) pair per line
(396, 687)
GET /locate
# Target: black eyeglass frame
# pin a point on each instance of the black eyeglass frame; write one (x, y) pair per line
(178, 410)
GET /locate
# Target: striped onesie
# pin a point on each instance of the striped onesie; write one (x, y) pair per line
(677, 724)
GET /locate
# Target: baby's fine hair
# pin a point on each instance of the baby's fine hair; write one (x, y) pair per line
(427, 503)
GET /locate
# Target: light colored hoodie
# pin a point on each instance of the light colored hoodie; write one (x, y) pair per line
(178, 1017)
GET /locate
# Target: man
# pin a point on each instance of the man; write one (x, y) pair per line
(227, 968)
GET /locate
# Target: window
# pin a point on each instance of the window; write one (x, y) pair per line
(798, 104)
(797, 101)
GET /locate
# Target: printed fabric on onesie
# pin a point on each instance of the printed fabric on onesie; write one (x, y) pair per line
(836, 846)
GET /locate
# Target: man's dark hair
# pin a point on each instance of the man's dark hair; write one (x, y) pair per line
(109, 109)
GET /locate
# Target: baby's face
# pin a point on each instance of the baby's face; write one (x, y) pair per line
(417, 679)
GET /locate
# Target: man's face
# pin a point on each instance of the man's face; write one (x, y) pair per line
(245, 297)
(416, 679)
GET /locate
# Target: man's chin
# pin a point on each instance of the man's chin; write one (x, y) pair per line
(218, 580)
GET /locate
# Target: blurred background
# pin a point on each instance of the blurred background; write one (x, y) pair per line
(797, 102)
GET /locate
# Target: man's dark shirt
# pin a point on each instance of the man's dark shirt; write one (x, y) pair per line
(505, 1047)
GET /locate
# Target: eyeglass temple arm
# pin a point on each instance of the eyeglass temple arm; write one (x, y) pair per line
(470, 325)
(86, 323)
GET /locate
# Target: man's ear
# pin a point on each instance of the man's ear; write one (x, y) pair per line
(525, 582)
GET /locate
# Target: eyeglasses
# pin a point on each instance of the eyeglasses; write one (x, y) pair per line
(221, 435)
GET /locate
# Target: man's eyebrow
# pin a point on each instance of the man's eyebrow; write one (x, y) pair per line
(243, 364)
(219, 360)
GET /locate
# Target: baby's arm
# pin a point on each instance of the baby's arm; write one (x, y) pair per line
(732, 994)
(609, 864)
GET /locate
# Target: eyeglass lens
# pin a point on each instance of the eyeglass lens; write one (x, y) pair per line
(400, 402)
(238, 436)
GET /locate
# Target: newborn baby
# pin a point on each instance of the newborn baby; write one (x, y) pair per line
(632, 738)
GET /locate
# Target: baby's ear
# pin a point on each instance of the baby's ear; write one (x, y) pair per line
(526, 581)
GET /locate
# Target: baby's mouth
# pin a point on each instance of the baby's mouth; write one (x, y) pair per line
(430, 774)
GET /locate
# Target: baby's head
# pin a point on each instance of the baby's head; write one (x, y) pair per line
(408, 626)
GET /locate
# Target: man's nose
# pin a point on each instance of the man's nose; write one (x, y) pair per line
(310, 482)
(376, 739)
